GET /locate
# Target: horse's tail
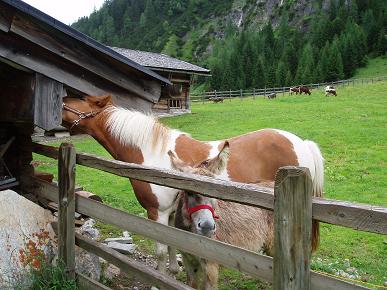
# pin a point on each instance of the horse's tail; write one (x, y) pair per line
(318, 181)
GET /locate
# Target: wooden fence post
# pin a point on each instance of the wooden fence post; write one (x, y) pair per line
(66, 224)
(264, 94)
(292, 228)
(241, 95)
(254, 93)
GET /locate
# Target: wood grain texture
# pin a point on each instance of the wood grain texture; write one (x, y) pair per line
(37, 59)
(48, 96)
(357, 216)
(129, 266)
(86, 283)
(242, 260)
(66, 240)
(292, 228)
(66, 47)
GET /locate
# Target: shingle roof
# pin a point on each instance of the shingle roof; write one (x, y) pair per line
(159, 61)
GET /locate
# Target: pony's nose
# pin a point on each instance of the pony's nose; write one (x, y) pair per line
(206, 228)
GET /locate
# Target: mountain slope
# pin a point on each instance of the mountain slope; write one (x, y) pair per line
(249, 43)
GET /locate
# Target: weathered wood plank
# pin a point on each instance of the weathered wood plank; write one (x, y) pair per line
(138, 270)
(69, 49)
(66, 240)
(37, 59)
(292, 228)
(86, 283)
(357, 216)
(231, 256)
(48, 102)
(5, 19)
(234, 257)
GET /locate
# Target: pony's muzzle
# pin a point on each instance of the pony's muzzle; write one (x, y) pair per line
(206, 228)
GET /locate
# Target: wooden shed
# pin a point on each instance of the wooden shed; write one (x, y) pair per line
(42, 60)
(179, 72)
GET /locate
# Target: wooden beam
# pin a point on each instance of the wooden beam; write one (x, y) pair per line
(48, 96)
(66, 240)
(66, 47)
(5, 19)
(245, 261)
(357, 216)
(129, 266)
(292, 228)
(15, 49)
(87, 283)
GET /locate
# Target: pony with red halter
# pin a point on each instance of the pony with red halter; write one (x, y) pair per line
(134, 137)
(240, 225)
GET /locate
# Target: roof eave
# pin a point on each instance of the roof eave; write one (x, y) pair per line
(39, 15)
(202, 73)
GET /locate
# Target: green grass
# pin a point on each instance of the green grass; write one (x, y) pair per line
(376, 67)
(351, 130)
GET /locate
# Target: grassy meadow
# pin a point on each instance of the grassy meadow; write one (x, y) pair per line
(351, 130)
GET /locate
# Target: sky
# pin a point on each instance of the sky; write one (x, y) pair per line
(66, 11)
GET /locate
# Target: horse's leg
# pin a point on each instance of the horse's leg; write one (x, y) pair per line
(211, 271)
(193, 268)
(161, 249)
(173, 265)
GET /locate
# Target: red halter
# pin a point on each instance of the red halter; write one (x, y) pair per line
(191, 210)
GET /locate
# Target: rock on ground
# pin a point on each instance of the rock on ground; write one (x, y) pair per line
(25, 235)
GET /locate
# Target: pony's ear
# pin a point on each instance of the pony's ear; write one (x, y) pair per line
(219, 163)
(99, 101)
(177, 163)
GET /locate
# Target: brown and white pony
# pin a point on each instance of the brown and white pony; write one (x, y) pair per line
(131, 136)
(233, 223)
(330, 90)
(294, 90)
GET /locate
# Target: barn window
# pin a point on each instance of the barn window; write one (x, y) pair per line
(174, 103)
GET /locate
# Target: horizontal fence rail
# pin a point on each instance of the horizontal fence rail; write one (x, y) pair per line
(357, 216)
(256, 265)
(262, 92)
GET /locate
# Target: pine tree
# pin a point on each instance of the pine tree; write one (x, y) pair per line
(305, 68)
(281, 74)
(335, 66)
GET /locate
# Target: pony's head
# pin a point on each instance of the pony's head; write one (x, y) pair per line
(79, 112)
(196, 212)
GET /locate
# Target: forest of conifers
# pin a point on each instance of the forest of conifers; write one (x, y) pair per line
(326, 45)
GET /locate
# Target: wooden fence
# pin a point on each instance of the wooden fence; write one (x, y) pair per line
(263, 92)
(290, 268)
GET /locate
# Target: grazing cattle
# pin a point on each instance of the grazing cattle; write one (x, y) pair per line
(237, 224)
(216, 99)
(294, 90)
(271, 96)
(330, 90)
(305, 90)
(134, 137)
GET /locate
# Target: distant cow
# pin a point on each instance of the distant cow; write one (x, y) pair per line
(294, 90)
(216, 99)
(305, 90)
(330, 90)
(271, 96)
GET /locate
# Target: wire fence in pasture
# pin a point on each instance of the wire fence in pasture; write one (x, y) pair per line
(255, 93)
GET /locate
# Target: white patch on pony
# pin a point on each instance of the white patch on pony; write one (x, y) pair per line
(214, 149)
(137, 129)
(304, 156)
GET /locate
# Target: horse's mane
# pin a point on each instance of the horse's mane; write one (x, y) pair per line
(137, 129)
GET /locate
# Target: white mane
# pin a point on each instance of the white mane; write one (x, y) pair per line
(137, 129)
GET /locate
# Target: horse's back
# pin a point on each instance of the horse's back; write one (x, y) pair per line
(258, 155)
